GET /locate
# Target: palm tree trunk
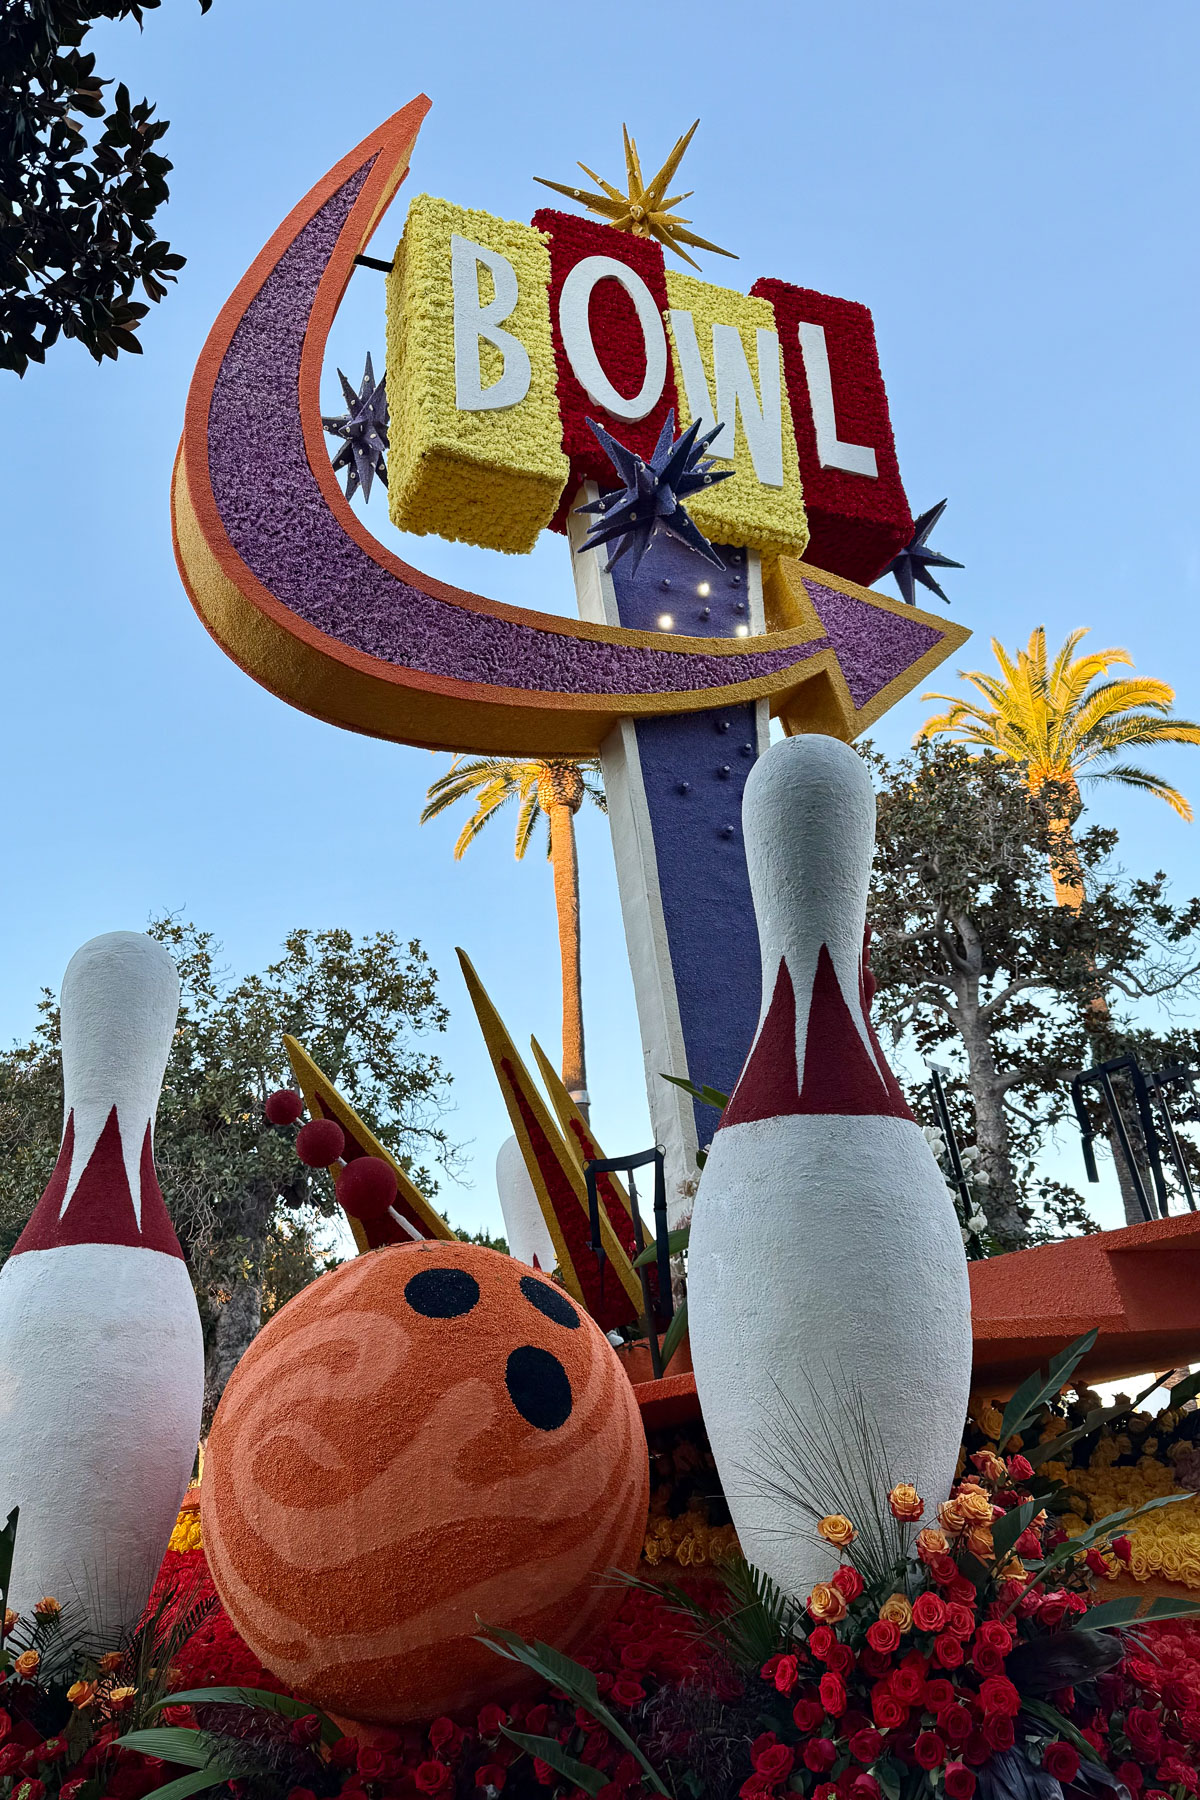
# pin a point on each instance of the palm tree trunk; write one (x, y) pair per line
(565, 863)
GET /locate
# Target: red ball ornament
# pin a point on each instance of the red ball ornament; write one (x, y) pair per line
(320, 1143)
(366, 1187)
(283, 1107)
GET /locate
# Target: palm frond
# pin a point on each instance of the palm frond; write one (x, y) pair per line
(527, 818)
(1129, 776)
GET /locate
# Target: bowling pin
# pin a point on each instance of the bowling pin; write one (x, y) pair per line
(826, 1263)
(101, 1355)
(524, 1223)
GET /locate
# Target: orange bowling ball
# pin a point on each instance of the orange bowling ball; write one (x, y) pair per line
(429, 1434)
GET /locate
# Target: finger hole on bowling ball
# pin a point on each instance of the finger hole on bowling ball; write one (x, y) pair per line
(549, 1301)
(442, 1293)
(539, 1387)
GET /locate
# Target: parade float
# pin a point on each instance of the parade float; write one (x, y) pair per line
(471, 1523)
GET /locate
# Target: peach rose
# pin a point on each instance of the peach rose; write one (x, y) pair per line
(47, 1607)
(111, 1661)
(931, 1543)
(905, 1502)
(979, 1541)
(81, 1693)
(951, 1517)
(10, 1619)
(827, 1604)
(26, 1664)
(974, 1505)
(897, 1609)
(837, 1530)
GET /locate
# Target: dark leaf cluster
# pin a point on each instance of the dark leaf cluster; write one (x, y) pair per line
(81, 179)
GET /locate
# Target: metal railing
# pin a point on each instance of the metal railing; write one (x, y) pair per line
(1144, 1088)
(628, 1166)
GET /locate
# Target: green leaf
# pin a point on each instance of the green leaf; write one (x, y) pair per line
(173, 1743)
(561, 1672)
(1076, 1546)
(675, 1333)
(260, 1697)
(1037, 1388)
(551, 1751)
(1050, 1715)
(888, 1774)
(707, 1096)
(1007, 1530)
(676, 1241)
(1112, 1615)
(1100, 1416)
(214, 1776)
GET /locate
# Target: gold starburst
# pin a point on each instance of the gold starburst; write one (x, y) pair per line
(646, 209)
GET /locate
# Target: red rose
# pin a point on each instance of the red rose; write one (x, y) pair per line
(1059, 1760)
(1028, 1544)
(1141, 1728)
(889, 1713)
(960, 1619)
(865, 1745)
(976, 1750)
(1123, 1549)
(938, 1695)
(775, 1763)
(430, 1777)
(959, 1781)
(807, 1716)
(492, 1775)
(955, 1723)
(11, 1757)
(848, 1581)
(821, 1642)
(1020, 1468)
(29, 1790)
(443, 1731)
(1051, 1612)
(828, 1790)
(999, 1731)
(545, 1775)
(787, 1673)
(943, 1568)
(929, 1750)
(873, 1665)
(70, 1790)
(884, 1636)
(948, 1651)
(998, 1695)
(996, 1633)
(840, 1660)
(929, 1612)
(820, 1754)
(961, 1589)
(753, 1788)
(833, 1695)
(537, 1718)
(626, 1691)
(490, 1720)
(1131, 1775)
(372, 1763)
(987, 1660)
(908, 1685)
(865, 1787)
(762, 1743)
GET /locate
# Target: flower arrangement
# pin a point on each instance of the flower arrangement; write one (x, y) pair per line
(490, 477)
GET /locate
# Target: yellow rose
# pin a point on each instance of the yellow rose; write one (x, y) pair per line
(81, 1693)
(979, 1541)
(837, 1530)
(827, 1604)
(1013, 1570)
(989, 1419)
(1052, 1427)
(121, 1697)
(897, 1609)
(26, 1664)
(905, 1503)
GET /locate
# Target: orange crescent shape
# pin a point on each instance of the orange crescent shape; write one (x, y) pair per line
(298, 593)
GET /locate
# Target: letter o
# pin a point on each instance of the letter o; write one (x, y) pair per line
(577, 336)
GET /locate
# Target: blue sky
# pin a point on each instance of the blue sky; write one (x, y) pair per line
(1009, 187)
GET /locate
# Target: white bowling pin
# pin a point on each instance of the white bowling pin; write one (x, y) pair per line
(825, 1260)
(101, 1354)
(524, 1222)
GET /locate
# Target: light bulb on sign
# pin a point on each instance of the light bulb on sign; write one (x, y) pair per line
(665, 621)
(742, 631)
(704, 590)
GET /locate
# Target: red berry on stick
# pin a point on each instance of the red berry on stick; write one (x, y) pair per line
(366, 1187)
(320, 1143)
(283, 1107)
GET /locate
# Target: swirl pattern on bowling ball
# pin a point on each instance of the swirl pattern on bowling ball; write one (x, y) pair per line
(427, 1435)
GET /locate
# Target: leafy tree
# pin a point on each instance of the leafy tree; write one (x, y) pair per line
(1062, 724)
(554, 790)
(77, 211)
(977, 964)
(249, 1214)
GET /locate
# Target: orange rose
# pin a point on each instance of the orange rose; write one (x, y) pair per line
(81, 1693)
(827, 1603)
(47, 1607)
(26, 1664)
(837, 1530)
(110, 1662)
(990, 1466)
(121, 1697)
(974, 1505)
(979, 1541)
(10, 1619)
(932, 1543)
(906, 1503)
(1013, 1570)
(951, 1517)
(898, 1610)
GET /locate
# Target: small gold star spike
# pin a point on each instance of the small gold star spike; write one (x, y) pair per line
(646, 209)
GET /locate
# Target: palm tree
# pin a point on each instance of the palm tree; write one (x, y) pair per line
(554, 789)
(1065, 723)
